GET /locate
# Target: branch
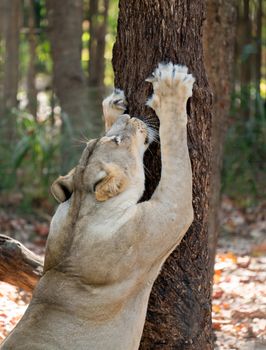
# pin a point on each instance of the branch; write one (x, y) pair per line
(18, 265)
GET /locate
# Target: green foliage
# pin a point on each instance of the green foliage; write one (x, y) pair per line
(36, 150)
(31, 163)
(245, 149)
(85, 50)
(43, 54)
(7, 173)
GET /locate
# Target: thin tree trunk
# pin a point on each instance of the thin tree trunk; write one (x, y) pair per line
(2, 52)
(246, 59)
(259, 48)
(98, 26)
(31, 88)
(219, 40)
(151, 31)
(11, 27)
(65, 30)
(92, 17)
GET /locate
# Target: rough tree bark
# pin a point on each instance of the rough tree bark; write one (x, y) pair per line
(65, 30)
(151, 31)
(219, 40)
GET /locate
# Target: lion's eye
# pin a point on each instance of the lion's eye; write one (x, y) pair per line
(98, 179)
(95, 185)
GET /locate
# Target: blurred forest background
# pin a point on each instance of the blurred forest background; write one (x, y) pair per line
(55, 68)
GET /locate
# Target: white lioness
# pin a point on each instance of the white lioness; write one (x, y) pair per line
(105, 249)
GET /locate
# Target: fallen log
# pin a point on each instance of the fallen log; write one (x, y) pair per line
(18, 265)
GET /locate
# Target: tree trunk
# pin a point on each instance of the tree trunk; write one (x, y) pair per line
(219, 40)
(18, 265)
(259, 16)
(31, 88)
(151, 31)
(11, 27)
(245, 59)
(2, 51)
(98, 15)
(65, 30)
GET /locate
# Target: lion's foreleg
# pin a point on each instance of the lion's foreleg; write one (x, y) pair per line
(172, 199)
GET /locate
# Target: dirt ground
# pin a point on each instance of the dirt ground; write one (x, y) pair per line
(239, 290)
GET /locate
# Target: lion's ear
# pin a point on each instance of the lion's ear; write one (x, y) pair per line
(62, 188)
(113, 183)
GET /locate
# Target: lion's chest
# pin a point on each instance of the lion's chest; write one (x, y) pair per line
(103, 250)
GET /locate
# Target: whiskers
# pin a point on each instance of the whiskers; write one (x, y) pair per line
(78, 142)
(147, 170)
(153, 125)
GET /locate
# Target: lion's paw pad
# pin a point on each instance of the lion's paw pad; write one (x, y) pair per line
(171, 80)
(116, 100)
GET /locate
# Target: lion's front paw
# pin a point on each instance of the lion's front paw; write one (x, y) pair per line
(116, 101)
(114, 106)
(172, 85)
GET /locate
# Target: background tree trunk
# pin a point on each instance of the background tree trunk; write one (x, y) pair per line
(259, 16)
(2, 52)
(10, 19)
(65, 31)
(11, 27)
(245, 43)
(31, 88)
(219, 40)
(151, 31)
(98, 15)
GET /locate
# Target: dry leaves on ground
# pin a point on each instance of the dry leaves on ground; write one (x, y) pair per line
(13, 304)
(239, 291)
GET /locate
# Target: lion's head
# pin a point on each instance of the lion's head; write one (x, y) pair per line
(111, 164)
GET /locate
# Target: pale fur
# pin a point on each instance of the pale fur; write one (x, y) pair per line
(103, 257)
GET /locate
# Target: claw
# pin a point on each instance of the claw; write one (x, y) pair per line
(150, 79)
